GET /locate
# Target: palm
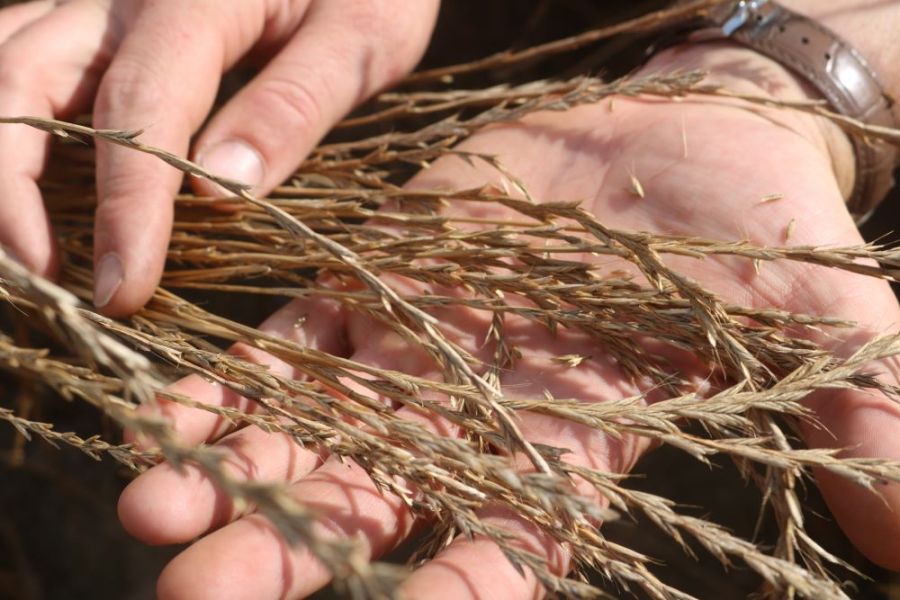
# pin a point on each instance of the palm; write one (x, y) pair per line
(703, 172)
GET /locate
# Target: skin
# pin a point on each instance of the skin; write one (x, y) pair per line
(129, 59)
(735, 158)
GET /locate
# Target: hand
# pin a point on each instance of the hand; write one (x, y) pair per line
(704, 167)
(156, 65)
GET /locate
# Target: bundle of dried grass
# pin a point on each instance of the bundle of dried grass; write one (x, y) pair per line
(343, 215)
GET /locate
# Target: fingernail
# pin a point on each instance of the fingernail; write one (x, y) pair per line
(108, 277)
(233, 159)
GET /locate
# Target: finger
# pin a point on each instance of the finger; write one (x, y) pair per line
(24, 225)
(346, 500)
(477, 568)
(164, 506)
(47, 68)
(865, 424)
(13, 18)
(343, 53)
(348, 505)
(163, 80)
(351, 507)
(170, 506)
(316, 323)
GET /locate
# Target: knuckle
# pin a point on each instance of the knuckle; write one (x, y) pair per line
(283, 17)
(378, 29)
(291, 102)
(117, 187)
(128, 87)
(393, 41)
(367, 18)
(15, 73)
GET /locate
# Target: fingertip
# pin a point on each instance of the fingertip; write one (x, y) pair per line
(245, 560)
(191, 576)
(40, 259)
(127, 300)
(476, 567)
(109, 274)
(170, 585)
(121, 288)
(131, 239)
(867, 425)
(869, 518)
(26, 233)
(160, 506)
(148, 519)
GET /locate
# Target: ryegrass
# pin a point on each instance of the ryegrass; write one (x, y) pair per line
(344, 215)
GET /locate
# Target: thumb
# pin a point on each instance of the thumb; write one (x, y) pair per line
(343, 52)
(144, 87)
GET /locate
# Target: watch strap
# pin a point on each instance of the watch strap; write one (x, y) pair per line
(832, 66)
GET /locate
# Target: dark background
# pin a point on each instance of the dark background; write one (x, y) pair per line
(59, 536)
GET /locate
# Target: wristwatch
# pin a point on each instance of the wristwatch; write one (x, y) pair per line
(831, 65)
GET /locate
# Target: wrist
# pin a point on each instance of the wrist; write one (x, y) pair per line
(747, 72)
(870, 26)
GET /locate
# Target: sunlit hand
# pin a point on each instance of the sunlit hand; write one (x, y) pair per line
(156, 65)
(703, 169)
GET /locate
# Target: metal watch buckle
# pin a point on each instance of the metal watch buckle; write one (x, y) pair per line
(727, 19)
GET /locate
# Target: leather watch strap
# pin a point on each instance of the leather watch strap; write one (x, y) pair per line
(832, 66)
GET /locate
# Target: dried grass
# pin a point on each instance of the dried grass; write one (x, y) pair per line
(332, 219)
